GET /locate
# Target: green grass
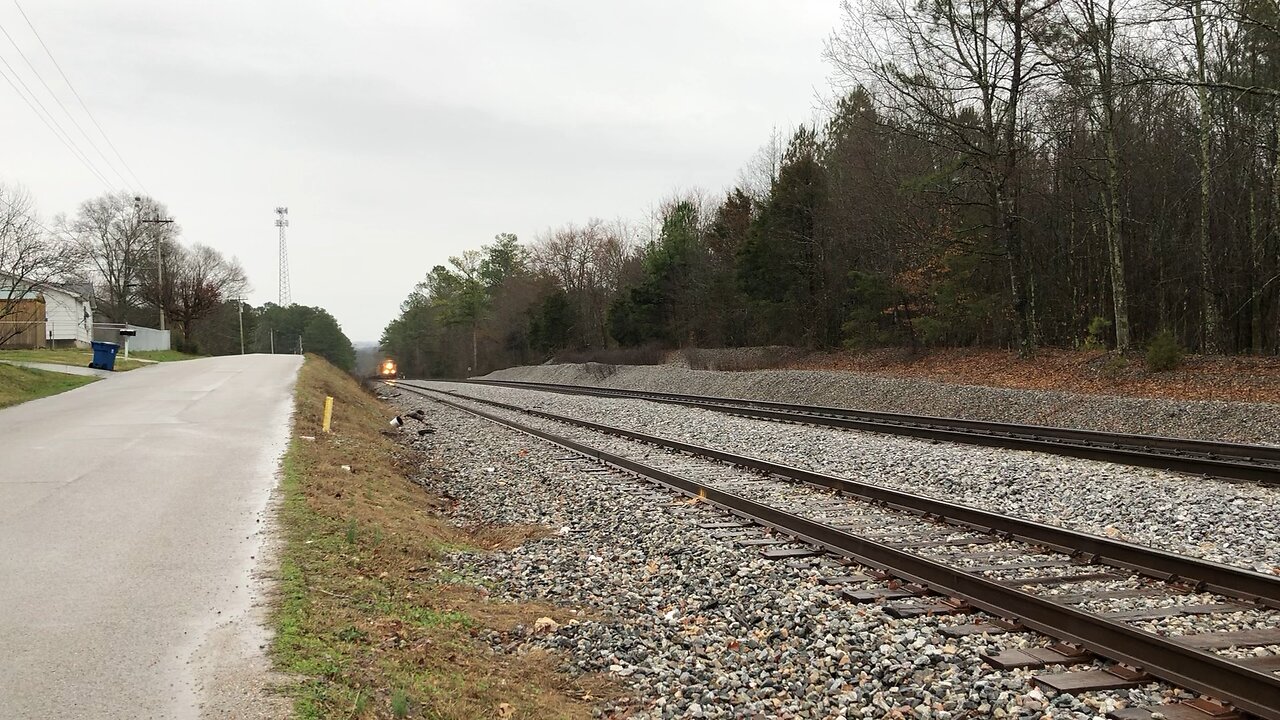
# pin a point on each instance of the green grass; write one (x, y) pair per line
(363, 627)
(81, 357)
(19, 384)
(163, 355)
(65, 356)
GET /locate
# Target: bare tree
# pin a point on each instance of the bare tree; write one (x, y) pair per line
(122, 247)
(31, 258)
(958, 74)
(761, 171)
(202, 279)
(1100, 78)
(590, 263)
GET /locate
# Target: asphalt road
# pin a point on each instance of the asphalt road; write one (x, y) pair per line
(130, 518)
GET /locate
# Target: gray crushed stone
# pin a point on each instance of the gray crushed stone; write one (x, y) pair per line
(1209, 420)
(1232, 523)
(695, 626)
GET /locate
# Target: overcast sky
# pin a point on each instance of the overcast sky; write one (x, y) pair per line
(400, 133)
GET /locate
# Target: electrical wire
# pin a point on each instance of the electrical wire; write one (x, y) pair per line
(32, 217)
(51, 123)
(106, 160)
(79, 99)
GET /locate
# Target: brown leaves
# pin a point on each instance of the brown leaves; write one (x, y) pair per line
(1231, 378)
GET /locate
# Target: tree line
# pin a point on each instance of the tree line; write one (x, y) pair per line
(128, 251)
(125, 252)
(1002, 173)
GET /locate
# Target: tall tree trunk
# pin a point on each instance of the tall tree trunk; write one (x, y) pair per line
(1208, 304)
(1256, 259)
(1115, 238)
(1272, 227)
(1104, 54)
(1011, 196)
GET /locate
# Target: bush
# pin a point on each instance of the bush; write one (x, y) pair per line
(877, 314)
(1115, 367)
(1163, 352)
(1099, 329)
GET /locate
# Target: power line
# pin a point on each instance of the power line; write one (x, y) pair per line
(65, 111)
(32, 217)
(53, 127)
(79, 99)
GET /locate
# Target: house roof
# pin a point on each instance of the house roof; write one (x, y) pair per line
(81, 291)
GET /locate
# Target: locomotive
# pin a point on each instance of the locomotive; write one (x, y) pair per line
(387, 370)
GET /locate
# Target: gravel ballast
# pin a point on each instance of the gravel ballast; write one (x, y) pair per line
(694, 625)
(1230, 421)
(1231, 523)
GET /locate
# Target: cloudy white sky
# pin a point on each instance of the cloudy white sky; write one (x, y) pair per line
(400, 133)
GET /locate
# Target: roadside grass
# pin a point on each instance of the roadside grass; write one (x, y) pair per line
(65, 356)
(19, 384)
(81, 357)
(163, 355)
(367, 621)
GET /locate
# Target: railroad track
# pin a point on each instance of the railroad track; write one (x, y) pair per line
(953, 559)
(1232, 461)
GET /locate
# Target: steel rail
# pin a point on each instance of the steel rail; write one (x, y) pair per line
(1158, 564)
(1235, 461)
(1249, 690)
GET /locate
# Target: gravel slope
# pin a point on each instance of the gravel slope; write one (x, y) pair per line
(695, 626)
(1238, 422)
(1224, 522)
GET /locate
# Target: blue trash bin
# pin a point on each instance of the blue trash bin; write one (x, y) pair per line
(104, 355)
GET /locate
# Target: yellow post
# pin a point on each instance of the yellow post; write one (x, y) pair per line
(328, 412)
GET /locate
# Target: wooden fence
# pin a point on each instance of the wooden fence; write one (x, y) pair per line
(27, 319)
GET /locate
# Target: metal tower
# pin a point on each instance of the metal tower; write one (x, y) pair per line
(282, 222)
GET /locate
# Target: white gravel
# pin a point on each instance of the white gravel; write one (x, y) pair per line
(696, 626)
(1232, 523)
(1209, 420)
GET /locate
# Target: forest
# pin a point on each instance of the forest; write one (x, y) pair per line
(994, 173)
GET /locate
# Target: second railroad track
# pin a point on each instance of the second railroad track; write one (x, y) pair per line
(1101, 598)
(1232, 461)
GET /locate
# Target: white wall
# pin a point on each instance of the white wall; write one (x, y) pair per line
(146, 339)
(67, 318)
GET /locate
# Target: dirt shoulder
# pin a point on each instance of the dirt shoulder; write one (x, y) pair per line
(1200, 377)
(367, 620)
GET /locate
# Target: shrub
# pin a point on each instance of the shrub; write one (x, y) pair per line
(1099, 329)
(400, 704)
(877, 314)
(1163, 352)
(1114, 367)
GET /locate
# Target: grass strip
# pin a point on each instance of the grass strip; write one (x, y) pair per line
(367, 620)
(20, 384)
(66, 356)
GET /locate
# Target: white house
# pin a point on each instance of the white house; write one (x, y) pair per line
(68, 320)
(68, 315)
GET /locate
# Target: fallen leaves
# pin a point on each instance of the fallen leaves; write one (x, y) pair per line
(1201, 377)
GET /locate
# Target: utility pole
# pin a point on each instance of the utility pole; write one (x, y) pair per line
(240, 312)
(273, 341)
(299, 344)
(282, 222)
(137, 206)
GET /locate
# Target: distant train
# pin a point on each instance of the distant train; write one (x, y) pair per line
(387, 370)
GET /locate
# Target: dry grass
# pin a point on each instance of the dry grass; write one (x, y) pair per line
(366, 619)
